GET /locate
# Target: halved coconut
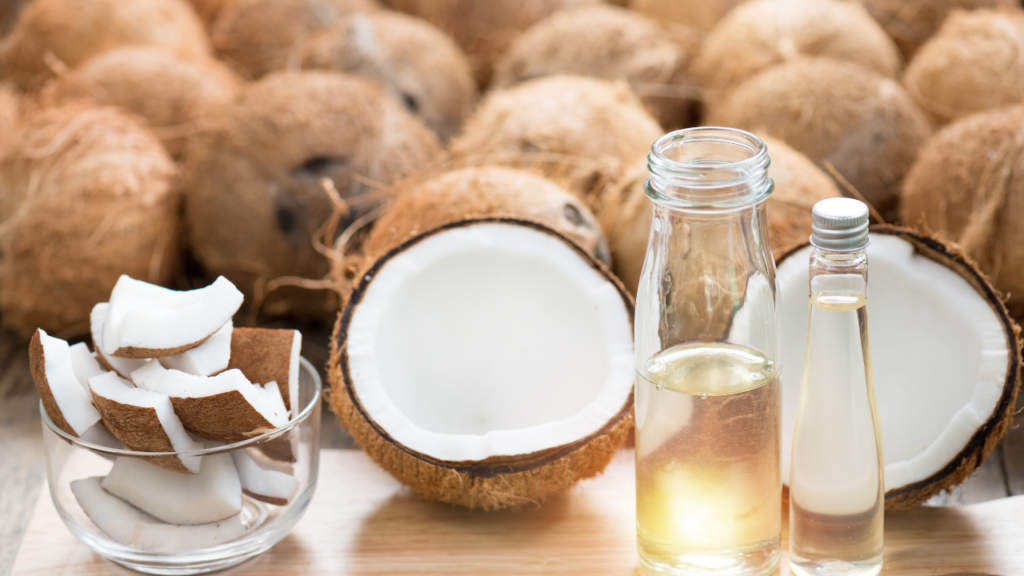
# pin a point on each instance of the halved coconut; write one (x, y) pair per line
(208, 358)
(64, 399)
(84, 365)
(264, 482)
(123, 366)
(945, 356)
(486, 363)
(226, 407)
(212, 495)
(132, 527)
(264, 355)
(147, 321)
(144, 421)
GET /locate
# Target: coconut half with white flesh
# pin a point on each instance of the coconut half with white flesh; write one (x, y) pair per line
(208, 358)
(266, 482)
(487, 363)
(265, 355)
(945, 358)
(67, 404)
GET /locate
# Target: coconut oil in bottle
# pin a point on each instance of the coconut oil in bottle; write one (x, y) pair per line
(836, 493)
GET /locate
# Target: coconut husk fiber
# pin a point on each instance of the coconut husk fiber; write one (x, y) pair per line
(170, 93)
(10, 104)
(582, 133)
(910, 24)
(484, 30)
(257, 207)
(967, 186)
(836, 113)
(408, 58)
(973, 63)
(763, 33)
(86, 194)
(258, 35)
(611, 43)
(701, 15)
(51, 34)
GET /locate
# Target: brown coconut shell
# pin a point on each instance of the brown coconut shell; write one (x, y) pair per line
(998, 423)
(255, 196)
(37, 366)
(86, 195)
(484, 30)
(701, 15)
(139, 429)
(170, 93)
(72, 31)
(762, 33)
(972, 64)
(140, 352)
(258, 35)
(838, 113)
(611, 43)
(492, 485)
(910, 24)
(224, 417)
(582, 133)
(967, 186)
(263, 355)
(407, 57)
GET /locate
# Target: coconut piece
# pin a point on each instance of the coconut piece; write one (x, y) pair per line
(208, 358)
(972, 64)
(123, 366)
(264, 355)
(212, 495)
(99, 434)
(84, 365)
(910, 24)
(132, 527)
(516, 369)
(265, 484)
(579, 132)
(226, 407)
(701, 15)
(149, 321)
(861, 123)
(71, 31)
(85, 196)
(762, 33)
(144, 421)
(408, 58)
(66, 403)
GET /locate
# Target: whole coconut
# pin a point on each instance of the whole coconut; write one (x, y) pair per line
(580, 132)
(858, 121)
(10, 102)
(626, 210)
(254, 197)
(258, 35)
(967, 185)
(208, 9)
(974, 63)
(170, 93)
(484, 30)
(762, 33)
(611, 43)
(86, 194)
(701, 15)
(73, 31)
(910, 24)
(410, 59)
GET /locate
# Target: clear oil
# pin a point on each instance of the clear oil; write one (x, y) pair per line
(707, 444)
(836, 487)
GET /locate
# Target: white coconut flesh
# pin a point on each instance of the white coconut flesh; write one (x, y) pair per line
(488, 340)
(264, 482)
(148, 317)
(123, 366)
(939, 353)
(84, 364)
(208, 358)
(130, 526)
(71, 397)
(211, 495)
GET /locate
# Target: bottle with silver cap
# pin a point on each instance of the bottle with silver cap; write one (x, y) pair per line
(836, 487)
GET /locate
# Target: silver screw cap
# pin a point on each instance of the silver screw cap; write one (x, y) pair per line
(840, 225)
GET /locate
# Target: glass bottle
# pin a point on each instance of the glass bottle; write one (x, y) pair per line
(707, 393)
(836, 490)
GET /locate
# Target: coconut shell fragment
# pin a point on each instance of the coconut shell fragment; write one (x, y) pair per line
(67, 404)
(265, 355)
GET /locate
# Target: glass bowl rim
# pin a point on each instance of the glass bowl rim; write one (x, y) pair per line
(269, 435)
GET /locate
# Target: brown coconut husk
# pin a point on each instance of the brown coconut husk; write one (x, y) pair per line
(54, 33)
(837, 113)
(910, 24)
(972, 64)
(700, 15)
(10, 106)
(484, 30)
(581, 133)
(256, 207)
(607, 42)
(763, 33)
(139, 428)
(170, 93)
(512, 481)
(263, 355)
(407, 57)
(258, 35)
(208, 9)
(86, 194)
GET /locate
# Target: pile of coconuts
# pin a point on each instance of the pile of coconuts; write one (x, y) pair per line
(316, 153)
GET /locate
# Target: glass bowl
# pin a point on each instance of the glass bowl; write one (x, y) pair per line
(163, 548)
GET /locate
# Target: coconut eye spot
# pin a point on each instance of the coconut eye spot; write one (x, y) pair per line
(411, 103)
(574, 216)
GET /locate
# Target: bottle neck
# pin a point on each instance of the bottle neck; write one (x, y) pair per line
(838, 271)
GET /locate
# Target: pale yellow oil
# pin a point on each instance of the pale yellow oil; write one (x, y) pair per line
(707, 461)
